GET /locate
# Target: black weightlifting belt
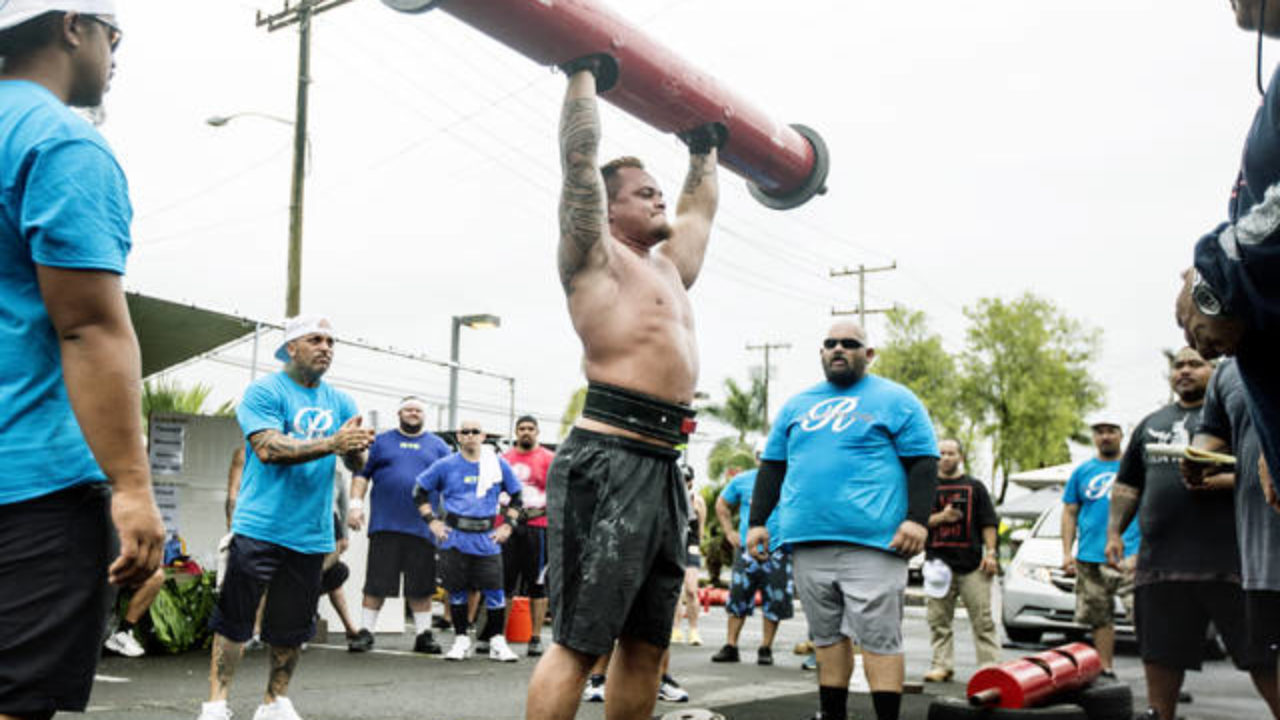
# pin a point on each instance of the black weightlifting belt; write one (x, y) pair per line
(469, 524)
(639, 413)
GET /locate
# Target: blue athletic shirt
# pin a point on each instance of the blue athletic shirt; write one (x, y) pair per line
(289, 505)
(738, 492)
(842, 445)
(458, 482)
(1090, 488)
(395, 461)
(64, 203)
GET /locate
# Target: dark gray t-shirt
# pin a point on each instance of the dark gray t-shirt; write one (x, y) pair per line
(1226, 416)
(1186, 535)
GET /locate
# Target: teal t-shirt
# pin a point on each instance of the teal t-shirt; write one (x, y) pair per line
(289, 505)
(64, 203)
(738, 492)
(1090, 488)
(843, 448)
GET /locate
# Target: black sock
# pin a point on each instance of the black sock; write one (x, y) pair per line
(886, 704)
(458, 613)
(834, 702)
(124, 626)
(495, 623)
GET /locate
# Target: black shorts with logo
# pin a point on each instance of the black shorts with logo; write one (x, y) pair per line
(393, 553)
(615, 541)
(53, 598)
(291, 580)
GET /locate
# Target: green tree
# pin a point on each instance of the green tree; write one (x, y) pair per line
(572, 411)
(729, 453)
(913, 356)
(1026, 375)
(743, 410)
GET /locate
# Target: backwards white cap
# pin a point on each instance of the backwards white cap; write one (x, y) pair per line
(16, 12)
(300, 326)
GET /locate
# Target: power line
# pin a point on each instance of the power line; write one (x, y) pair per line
(861, 272)
(766, 347)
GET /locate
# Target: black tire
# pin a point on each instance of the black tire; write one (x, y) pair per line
(1023, 635)
(959, 709)
(1105, 700)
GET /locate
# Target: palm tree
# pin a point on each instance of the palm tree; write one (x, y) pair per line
(743, 410)
(170, 396)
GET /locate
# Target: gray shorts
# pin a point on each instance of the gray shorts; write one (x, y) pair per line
(852, 591)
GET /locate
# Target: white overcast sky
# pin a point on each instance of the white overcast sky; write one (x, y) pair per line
(1074, 148)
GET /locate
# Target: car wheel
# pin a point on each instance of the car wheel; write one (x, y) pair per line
(948, 708)
(1104, 700)
(1023, 635)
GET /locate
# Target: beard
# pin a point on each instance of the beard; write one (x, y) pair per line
(851, 373)
(410, 429)
(525, 444)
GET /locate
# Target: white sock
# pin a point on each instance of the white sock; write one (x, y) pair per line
(421, 622)
(371, 619)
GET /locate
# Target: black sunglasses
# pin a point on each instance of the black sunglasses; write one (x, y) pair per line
(846, 343)
(114, 34)
(470, 432)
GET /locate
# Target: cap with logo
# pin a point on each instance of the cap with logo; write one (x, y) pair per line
(300, 326)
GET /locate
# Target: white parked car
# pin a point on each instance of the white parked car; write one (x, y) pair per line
(1037, 596)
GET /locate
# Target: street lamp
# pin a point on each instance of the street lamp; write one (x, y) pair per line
(301, 152)
(477, 322)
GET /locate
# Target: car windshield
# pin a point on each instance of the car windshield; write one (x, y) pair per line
(1050, 523)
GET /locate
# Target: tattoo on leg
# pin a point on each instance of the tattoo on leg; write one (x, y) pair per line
(283, 662)
(226, 656)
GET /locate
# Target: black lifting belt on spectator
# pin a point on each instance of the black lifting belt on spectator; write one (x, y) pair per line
(468, 524)
(645, 414)
(922, 482)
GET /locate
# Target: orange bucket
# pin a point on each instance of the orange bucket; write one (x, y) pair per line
(519, 622)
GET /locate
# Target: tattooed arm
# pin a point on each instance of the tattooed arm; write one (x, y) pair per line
(582, 204)
(694, 213)
(273, 446)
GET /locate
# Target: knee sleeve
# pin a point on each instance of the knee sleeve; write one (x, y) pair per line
(495, 598)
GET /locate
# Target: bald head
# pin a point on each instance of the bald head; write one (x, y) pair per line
(845, 354)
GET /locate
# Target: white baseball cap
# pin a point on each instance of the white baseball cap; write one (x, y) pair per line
(16, 12)
(1105, 418)
(937, 578)
(300, 326)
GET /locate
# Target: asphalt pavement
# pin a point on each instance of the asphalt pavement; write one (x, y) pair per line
(392, 683)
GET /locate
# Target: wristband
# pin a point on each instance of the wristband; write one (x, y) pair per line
(356, 503)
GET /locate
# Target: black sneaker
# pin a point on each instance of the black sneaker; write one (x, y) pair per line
(726, 654)
(535, 646)
(362, 642)
(426, 644)
(764, 656)
(438, 622)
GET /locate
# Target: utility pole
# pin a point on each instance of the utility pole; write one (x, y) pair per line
(766, 347)
(297, 13)
(861, 272)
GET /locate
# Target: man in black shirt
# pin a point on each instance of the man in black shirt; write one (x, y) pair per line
(1188, 565)
(962, 534)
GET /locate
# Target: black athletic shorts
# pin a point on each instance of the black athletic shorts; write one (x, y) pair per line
(615, 542)
(460, 571)
(393, 553)
(1172, 621)
(524, 562)
(293, 581)
(1262, 609)
(54, 552)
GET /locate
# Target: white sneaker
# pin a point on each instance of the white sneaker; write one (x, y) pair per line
(499, 651)
(670, 691)
(594, 691)
(281, 709)
(123, 643)
(460, 650)
(216, 710)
